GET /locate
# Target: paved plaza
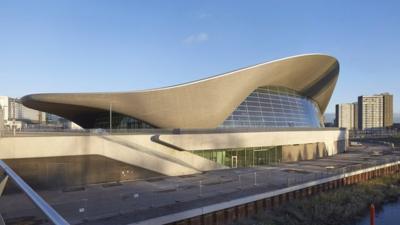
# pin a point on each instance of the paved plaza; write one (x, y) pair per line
(139, 200)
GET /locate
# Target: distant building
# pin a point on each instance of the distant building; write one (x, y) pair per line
(60, 122)
(347, 116)
(14, 114)
(1, 118)
(387, 110)
(4, 107)
(25, 114)
(375, 111)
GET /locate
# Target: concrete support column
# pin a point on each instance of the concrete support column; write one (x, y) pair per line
(241, 211)
(303, 192)
(291, 196)
(208, 219)
(314, 189)
(195, 220)
(268, 203)
(250, 209)
(230, 215)
(297, 194)
(260, 207)
(282, 198)
(183, 222)
(275, 201)
(220, 218)
(321, 187)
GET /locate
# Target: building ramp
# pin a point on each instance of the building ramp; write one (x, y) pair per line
(140, 151)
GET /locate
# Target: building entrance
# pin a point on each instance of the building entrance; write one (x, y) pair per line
(234, 161)
(243, 157)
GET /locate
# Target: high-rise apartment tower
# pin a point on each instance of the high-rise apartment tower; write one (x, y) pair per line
(347, 116)
(375, 111)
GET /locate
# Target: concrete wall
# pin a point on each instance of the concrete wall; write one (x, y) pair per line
(291, 153)
(130, 149)
(140, 151)
(194, 142)
(61, 172)
(35, 147)
(195, 161)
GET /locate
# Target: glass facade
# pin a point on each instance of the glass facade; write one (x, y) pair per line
(119, 121)
(243, 157)
(275, 107)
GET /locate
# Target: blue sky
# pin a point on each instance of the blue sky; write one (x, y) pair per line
(83, 46)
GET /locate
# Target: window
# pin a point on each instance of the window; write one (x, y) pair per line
(275, 107)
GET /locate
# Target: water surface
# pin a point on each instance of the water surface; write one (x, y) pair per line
(389, 215)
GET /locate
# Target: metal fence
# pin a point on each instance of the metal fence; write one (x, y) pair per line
(374, 133)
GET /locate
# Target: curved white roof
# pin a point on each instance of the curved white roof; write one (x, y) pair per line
(200, 104)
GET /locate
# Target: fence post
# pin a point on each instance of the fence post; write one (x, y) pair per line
(240, 181)
(200, 188)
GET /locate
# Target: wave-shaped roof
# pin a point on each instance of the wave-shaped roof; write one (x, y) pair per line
(200, 104)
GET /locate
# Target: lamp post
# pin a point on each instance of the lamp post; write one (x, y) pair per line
(110, 117)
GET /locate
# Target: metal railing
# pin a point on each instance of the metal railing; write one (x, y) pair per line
(374, 133)
(33, 196)
(98, 131)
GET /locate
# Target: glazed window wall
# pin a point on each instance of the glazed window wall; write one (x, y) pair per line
(243, 157)
(275, 107)
(119, 121)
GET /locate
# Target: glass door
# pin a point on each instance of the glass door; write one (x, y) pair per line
(234, 161)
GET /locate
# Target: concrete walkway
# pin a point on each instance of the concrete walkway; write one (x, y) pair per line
(140, 200)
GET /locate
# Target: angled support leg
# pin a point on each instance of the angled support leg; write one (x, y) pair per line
(2, 220)
(3, 185)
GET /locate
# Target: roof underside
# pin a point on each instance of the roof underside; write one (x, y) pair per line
(200, 104)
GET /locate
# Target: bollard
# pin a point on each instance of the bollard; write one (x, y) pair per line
(85, 208)
(200, 188)
(152, 199)
(372, 214)
(255, 178)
